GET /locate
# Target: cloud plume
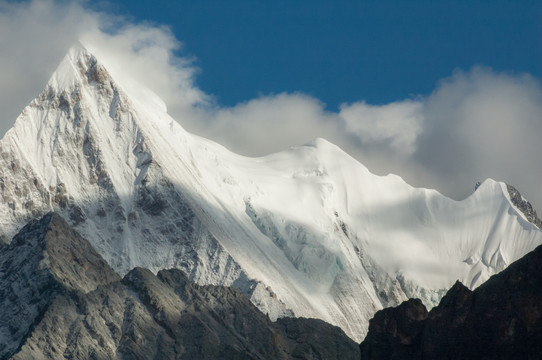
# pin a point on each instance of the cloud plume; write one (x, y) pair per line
(35, 36)
(481, 124)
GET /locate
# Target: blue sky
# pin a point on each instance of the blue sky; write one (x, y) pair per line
(344, 51)
(442, 93)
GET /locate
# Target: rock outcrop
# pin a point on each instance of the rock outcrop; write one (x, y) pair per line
(524, 206)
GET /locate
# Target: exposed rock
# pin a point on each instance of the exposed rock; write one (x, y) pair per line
(61, 300)
(315, 339)
(502, 319)
(395, 331)
(45, 259)
(524, 206)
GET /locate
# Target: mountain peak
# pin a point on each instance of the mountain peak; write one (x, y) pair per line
(308, 231)
(71, 70)
(81, 67)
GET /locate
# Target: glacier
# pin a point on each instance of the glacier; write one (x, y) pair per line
(308, 231)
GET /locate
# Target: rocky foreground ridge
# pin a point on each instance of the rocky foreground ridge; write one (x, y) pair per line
(502, 319)
(60, 300)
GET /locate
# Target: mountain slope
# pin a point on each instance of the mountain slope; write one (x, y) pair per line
(44, 260)
(308, 231)
(64, 302)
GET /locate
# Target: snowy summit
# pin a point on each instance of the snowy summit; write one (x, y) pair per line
(307, 232)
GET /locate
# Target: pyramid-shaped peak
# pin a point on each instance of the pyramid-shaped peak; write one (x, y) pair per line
(73, 68)
(81, 67)
(78, 50)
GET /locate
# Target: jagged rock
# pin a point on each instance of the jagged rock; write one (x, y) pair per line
(61, 300)
(502, 319)
(524, 205)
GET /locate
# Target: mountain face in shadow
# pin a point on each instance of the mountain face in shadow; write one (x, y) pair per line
(501, 319)
(61, 300)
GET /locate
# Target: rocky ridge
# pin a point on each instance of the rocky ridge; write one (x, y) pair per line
(501, 319)
(61, 300)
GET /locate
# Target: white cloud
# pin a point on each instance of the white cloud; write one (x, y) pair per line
(475, 125)
(267, 124)
(399, 124)
(145, 54)
(483, 124)
(34, 36)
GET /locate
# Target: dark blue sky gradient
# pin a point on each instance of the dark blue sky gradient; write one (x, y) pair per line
(344, 51)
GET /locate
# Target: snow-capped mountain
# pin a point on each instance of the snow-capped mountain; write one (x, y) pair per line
(308, 231)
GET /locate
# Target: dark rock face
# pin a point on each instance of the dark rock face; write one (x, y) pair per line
(395, 330)
(502, 319)
(524, 206)
(314, 339)
(61, 300)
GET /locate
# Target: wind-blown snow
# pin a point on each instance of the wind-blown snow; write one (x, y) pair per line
(308, 231)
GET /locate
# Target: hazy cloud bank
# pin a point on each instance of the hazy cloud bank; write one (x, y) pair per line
(475, 124)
